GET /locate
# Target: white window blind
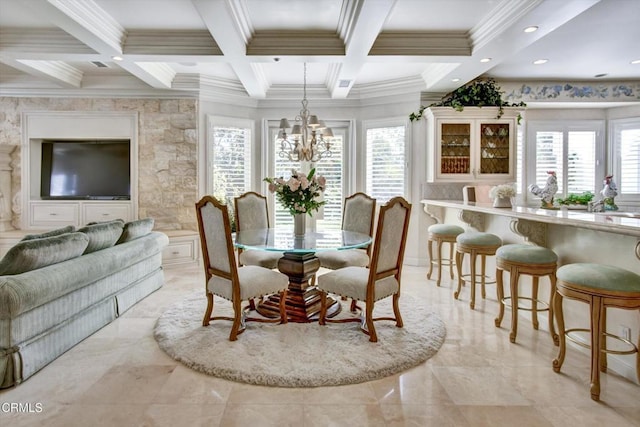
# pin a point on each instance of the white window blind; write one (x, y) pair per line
(332, 169)
(626, 159)
(230, 162)
(573, 150)
(385, 163)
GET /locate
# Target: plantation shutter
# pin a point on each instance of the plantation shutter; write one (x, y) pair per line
(385, 176)
(549, 157)
(230, 162)
(581, 162)
(331, 168)
(629, 142)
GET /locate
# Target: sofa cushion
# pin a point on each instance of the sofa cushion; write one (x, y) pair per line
(102, 235)
(135, 229)
(37, 253)
(56, 232)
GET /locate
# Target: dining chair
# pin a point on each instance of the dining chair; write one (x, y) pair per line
(251, 213)
(224, 278)
(381, 279)
(358, 215)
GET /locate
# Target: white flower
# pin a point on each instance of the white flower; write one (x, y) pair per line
(502, 190)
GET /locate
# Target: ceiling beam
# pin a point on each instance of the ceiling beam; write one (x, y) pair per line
(226, 21)
(361, 22)
(91, 25)
(57, 72)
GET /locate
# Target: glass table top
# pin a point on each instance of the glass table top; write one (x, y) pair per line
(283, 240)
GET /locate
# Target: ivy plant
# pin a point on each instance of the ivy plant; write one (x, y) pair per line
(482, 92)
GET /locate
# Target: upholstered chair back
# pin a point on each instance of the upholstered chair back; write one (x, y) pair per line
(391, 236)
(251, 211)
(359, 212)
(215, 235)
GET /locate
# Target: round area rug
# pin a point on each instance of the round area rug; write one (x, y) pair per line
(299, 354)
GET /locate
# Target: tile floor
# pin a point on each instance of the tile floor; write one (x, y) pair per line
(119, 377)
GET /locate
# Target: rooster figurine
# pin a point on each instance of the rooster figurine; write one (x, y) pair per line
(609, 192)
(547, 192)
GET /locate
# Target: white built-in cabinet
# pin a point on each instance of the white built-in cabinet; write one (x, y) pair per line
(471, 145)
(45, 214)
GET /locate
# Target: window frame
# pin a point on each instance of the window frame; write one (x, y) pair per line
(222, 121)
(408, 165)
(614, 127)
(534, 126)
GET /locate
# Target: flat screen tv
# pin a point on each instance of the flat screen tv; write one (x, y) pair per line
(86, 170)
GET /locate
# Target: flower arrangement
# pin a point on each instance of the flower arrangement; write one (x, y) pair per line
(300, 193)
(502, 191)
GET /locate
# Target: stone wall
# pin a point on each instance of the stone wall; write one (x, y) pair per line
(167, 151)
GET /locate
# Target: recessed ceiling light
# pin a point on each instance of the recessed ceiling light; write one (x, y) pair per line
(485, 60)
(117, 58)
(540, 61)
(531, 29)
(455, 80)
(635, 61)
(597, 76)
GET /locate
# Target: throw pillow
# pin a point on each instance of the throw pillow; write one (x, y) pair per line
(102, 235)
(37, 253)
(56, 232)
(135, 229)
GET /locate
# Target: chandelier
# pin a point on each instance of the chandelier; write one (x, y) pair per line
(309, 139)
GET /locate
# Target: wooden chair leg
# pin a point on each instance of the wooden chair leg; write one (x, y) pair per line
(472, 265)
(396, 310)
(483, 273)
(237, 320)
(209, 310)
(439, 262)
(515, 274)
(430, 250)
(557, 311)
(373, 337)
(596, 345)
(534, 302)
(500, 294)
(451, 245)
(552, 330)
(459, 262)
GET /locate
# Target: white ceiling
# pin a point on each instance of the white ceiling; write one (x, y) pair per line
(258, 47)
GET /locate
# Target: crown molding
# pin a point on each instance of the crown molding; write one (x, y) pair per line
(348, 18)
(436, 72)
(503, 15)
(57, 71)
(240, 13)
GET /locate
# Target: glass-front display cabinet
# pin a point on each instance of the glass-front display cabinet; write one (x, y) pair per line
(471, 145)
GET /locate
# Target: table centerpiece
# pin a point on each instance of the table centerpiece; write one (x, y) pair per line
(502, 194)
(300, 195)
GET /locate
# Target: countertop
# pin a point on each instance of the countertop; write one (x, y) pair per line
(612, 221)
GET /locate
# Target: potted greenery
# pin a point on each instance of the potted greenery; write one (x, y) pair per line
(482, 92)
(576, 201)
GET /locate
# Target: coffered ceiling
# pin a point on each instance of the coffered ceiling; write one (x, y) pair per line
(256, 48)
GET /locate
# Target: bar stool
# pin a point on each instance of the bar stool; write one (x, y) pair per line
(600, 286)
(534, 261)
(474, 244)
(441, 233)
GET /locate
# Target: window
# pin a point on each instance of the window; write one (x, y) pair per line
(386, 162)
(574, 151)
(229, 158)
(625, 148)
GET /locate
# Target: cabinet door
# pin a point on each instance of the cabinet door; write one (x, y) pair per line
(454, 152)
(496, 150)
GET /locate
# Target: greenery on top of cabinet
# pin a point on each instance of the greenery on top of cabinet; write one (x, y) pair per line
(477, 93)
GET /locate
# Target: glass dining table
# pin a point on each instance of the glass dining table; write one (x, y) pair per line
(300, 264)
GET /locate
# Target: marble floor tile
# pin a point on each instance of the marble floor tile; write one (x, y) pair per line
(120, 377)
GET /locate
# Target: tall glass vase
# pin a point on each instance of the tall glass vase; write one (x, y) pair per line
(299, 224)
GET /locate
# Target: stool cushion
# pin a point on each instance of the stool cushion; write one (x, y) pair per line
(446, 229)
(600, 277)
(479, 239)
(526, 254)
